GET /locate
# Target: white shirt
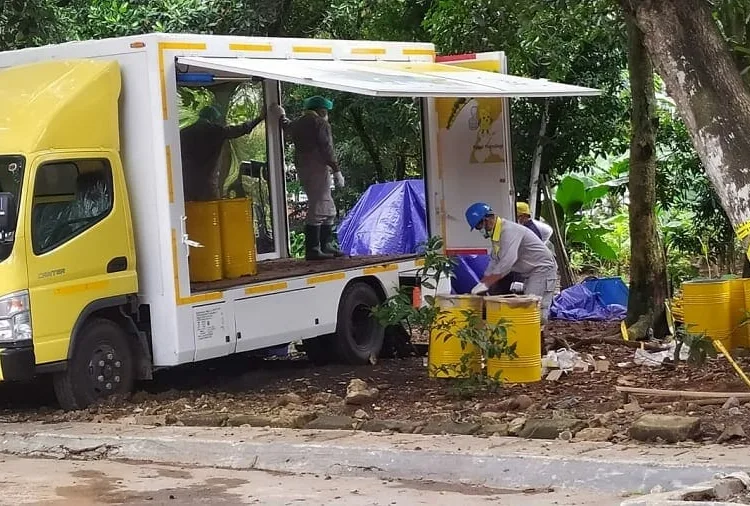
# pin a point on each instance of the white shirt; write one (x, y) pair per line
(544, 229)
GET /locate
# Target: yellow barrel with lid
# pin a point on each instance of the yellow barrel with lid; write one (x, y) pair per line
(522, 317)
(737, 312)
(744, 341)
(707, 310)
(447, 356)
(237, 238)
(203, 225)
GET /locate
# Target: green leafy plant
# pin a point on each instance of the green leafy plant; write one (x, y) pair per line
(399, 308)
(574, 198)
(701, 347)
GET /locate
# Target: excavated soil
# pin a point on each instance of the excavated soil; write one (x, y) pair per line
(293, 387)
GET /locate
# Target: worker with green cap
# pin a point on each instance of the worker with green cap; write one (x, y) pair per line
(201, 144)
(316, 165)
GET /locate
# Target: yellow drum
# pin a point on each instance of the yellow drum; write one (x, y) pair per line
(707, 310)
(447, 357)
(745, 343)
(237, 238)
(737, 312)
(522, 316)
(203, 227)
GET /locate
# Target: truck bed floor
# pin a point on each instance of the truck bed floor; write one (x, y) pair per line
(271, 270)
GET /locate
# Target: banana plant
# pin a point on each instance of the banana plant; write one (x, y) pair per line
(574, 199)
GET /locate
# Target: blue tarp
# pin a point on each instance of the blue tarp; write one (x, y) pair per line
(389, 219)
(469, 271)
(579, 303)
(611, 290)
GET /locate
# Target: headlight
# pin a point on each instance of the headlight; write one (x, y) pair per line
(15, 318)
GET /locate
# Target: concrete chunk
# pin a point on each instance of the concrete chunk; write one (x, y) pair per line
(671, 429)
(550, 428)
(463, 429)
(332, 423)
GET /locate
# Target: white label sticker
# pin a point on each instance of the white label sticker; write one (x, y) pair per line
(209, 322)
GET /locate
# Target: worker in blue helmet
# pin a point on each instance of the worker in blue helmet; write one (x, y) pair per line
(517, 249)
(317, 167)
(201, 146)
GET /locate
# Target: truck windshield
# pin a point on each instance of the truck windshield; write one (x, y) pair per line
(11, 179)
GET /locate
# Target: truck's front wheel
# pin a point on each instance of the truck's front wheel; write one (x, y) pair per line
(359, 337)
(101, 366)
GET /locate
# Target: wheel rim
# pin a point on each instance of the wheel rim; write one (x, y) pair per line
(105, 371)
(363, 326)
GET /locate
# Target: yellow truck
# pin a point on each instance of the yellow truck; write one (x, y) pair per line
(95, 284)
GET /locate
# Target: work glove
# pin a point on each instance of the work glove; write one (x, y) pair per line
(479, 289)
(338, 179)
(278, 110)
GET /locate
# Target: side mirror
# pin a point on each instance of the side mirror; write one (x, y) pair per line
(7, 213)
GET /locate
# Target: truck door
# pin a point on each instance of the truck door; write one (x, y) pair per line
(469, 159)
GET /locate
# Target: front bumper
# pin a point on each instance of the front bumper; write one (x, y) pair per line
(17, 364)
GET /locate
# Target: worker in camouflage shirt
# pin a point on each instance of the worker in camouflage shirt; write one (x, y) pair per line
(316, 166)
(201, 144)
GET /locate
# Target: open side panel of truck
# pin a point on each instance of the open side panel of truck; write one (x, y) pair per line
(470, 157)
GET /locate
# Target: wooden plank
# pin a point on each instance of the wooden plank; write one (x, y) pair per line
(683, 394)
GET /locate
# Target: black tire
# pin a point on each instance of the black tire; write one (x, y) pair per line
(102, 365)
(319, 350)
(358, 335)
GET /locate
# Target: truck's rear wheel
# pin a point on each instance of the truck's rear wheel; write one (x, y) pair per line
(101, 366)
(359, 337)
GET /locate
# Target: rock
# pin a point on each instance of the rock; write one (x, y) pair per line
(490, 417)
(326, 398)
(358, 393)
(517, 403)
(566, 435)
(550, 428)
(294, 419)
(157, 420)
(494, 429)
(327, 422)
(671, 429)
(732, 431)
(516, 425)
(728, 488)
(632, 407)
(735, 411)
(361, 414)
(732, 402)
(522, 403)
(594, 434)
(390, 425)
(171, 419)
(288, 398)
(449, 427)
(127, 420)
(251, 420)
(204, 420)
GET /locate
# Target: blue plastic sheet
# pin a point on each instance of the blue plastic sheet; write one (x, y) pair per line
(611, 290)
(578, 303)
(389, 219)
(469, 271)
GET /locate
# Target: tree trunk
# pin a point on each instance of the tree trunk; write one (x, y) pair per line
(647, 269)
(537, 161)
(697, 67)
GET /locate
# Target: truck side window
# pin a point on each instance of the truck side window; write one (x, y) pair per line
(69, 198)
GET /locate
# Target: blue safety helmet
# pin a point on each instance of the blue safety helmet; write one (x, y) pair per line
(476, 213)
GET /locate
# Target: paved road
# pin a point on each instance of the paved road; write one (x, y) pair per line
(77, 483)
